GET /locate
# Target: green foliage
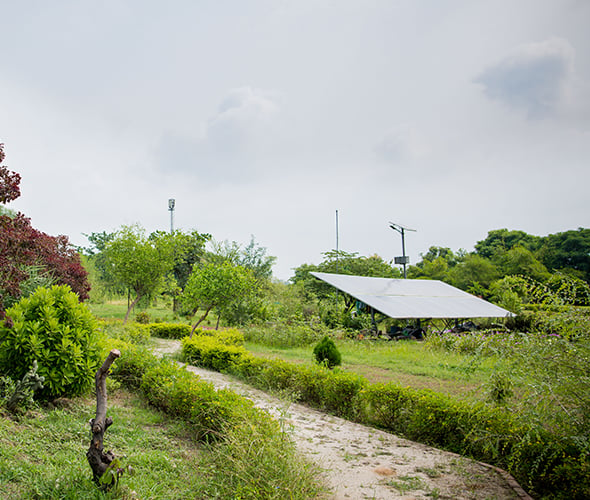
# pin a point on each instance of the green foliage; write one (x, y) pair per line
(284, 335)
(473, 271)
(210, 352)
(52, 327)
(170, 330)
(568, 250)
(142, 317)
(500, 241)
(500, 388)
(218, 286)
(326, 353)
(137, 262)
(225, 336)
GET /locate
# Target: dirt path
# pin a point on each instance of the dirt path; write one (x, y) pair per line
(364, 463)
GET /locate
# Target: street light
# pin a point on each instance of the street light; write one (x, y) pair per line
(404, 260)
(171, 203)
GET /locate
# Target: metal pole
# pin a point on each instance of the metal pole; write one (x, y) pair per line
(404, 250)
(171, 204)
(337, 245)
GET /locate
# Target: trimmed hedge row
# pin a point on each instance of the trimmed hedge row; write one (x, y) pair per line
(178, 392)
(169, 330)
(229, 336)
(546, 464)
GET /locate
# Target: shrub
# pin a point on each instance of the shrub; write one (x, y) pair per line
(52, 327)
(170, 330)
(142, 317)
(209, 352)
(326, 352)
(283, 335)
(226, 336)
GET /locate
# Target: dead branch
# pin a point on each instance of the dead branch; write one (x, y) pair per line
(97, 458)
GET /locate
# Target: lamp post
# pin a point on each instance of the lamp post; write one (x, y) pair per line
(404, 260)
(171, 204)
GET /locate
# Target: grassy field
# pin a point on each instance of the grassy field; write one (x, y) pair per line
(408, 363)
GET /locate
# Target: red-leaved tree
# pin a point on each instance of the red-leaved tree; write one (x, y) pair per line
(23, 248)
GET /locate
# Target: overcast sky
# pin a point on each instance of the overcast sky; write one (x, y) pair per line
(264, 117)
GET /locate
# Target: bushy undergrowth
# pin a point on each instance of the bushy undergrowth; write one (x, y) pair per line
(54, 329)
(546, 462)
(284, 335)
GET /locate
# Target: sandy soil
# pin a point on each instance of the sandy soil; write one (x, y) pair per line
(360, 462)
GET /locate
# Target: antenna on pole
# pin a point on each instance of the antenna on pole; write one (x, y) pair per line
(171, 204)
(404, 260)
(337, 243)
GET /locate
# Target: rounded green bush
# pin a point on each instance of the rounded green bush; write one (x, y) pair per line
(326, 352)
(54, 328)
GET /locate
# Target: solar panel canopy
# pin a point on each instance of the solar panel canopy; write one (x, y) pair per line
(405, 298)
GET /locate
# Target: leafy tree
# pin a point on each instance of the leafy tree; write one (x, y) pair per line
(217, 286)
(569, 250)
(26, 253)
(252, 257)
(519, 260)
(474, 274)
(9, 181)
(499, 241)
(137, 262)
(436, 269)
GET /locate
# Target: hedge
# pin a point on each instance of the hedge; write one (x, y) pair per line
(548, 465)
(180, 393)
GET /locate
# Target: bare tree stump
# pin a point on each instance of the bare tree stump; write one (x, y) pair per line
(97, 458)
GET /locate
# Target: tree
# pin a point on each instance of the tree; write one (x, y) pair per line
(9, 181)
(569, 250)
(474, 274)
(499, 241)
(520, 261)
(217, 286)
(26, 253)
(137, 262)
(436, 269)
(252, 257)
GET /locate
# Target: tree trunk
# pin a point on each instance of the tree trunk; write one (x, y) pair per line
(130, 308)
(200, 319)
(97, 458)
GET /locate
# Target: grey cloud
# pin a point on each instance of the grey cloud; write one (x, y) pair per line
(242, 116)
(403, 143)
(533, 78)
(225, 146)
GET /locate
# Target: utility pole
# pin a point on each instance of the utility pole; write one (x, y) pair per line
(171, 204)
(404, 260)
(337, 247)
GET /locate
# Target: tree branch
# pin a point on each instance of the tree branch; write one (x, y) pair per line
(97, 458)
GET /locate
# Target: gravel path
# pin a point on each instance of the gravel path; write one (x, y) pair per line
(360, 462)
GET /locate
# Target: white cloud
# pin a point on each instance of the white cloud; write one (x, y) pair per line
(242, 116)
(534, 78)
(225, 146)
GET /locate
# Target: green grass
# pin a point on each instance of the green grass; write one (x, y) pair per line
(408, 363)
(160, 311)
(43, 456)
